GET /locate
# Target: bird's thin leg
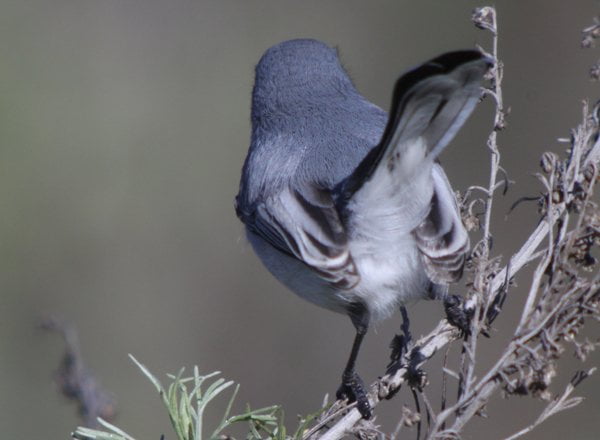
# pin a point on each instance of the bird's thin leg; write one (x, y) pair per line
(406, 354)
(401, 343)
(353, 388)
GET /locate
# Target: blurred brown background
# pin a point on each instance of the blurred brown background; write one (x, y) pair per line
(123, 128)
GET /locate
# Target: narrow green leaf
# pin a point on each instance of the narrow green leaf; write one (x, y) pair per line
(82, 433)
(307, 420)
(114, 428)
(213, 392)
(199, 380)
(173, 394)
(225, 419)
(184, 417)
(147, 373)
(230, 403)
(281, 431)
(253, 430)
(181, 379)
(197, 393)
(171, 402)
(257, 415)
(211, 388)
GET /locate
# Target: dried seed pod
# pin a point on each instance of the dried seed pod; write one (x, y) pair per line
(589, 172)
(548, 161)
(484, 18)
(578, 191)
(410, 417)
(595, 71)
(501, 122)
(596, 113)
(557, 196)
(589, 34)
(477, 250)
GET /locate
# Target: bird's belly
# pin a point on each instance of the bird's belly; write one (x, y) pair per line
(389, 277)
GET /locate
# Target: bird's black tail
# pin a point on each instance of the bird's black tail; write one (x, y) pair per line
(429, 105)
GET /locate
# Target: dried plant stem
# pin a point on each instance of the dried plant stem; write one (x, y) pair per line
(558, 404)
(427, 346)
(496, 92)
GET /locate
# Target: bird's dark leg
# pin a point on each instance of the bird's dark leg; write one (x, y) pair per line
(400, 344)
(353, 388)
(406, 354)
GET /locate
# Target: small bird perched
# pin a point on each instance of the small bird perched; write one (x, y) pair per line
(346, 206)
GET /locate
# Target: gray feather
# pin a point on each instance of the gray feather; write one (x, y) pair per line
(442, 237)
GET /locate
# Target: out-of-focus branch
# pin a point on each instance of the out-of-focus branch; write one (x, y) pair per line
(589, 35)
(76, 382)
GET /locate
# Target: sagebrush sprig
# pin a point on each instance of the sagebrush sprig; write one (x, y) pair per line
(186, 402)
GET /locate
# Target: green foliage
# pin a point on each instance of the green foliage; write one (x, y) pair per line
(186, 400)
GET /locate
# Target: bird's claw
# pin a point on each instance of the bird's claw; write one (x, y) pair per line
(353, 390)
(457, 315)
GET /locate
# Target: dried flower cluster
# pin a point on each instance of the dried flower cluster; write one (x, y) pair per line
(589, 35)
(563, 293)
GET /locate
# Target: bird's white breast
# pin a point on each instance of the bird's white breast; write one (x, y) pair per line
(384, 212)
(390, 275)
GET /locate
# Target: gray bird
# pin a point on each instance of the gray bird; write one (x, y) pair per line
(345, 205)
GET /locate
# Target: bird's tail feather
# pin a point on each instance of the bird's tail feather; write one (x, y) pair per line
(430, 104)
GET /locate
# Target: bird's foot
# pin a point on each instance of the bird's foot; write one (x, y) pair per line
(416, 377)
(401, 344)
(353, 390)
(399, 348)
(406, 356)
(457, 315)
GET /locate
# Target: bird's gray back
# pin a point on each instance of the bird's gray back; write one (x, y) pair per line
(309, 123)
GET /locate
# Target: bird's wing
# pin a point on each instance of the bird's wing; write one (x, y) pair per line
(441, 237)
(305, 224)
(430, 104)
